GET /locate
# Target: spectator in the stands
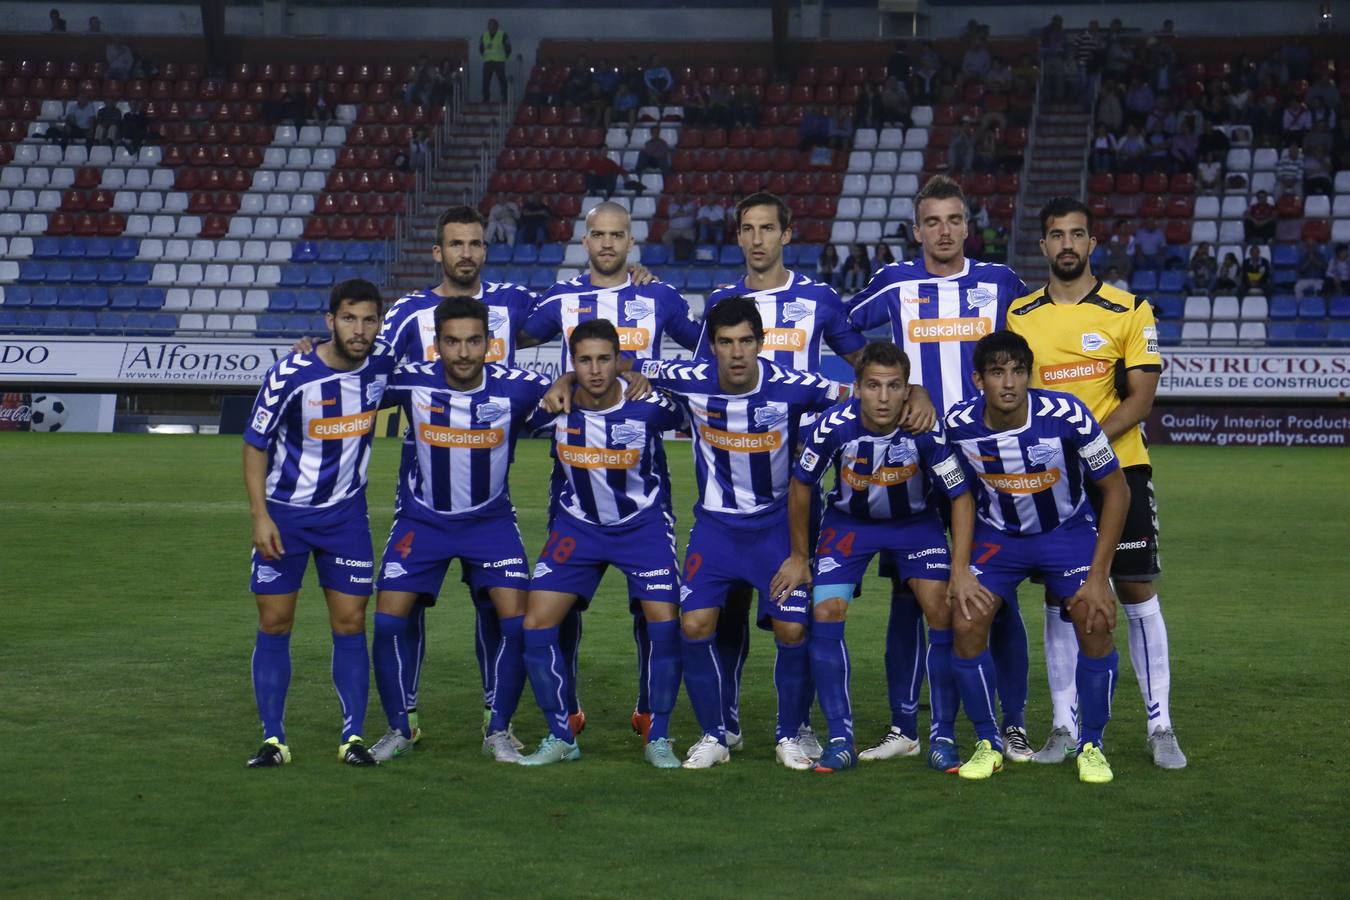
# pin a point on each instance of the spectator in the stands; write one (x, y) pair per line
(1320, 139)
(1056, 61)
(1139, 102)
(121, 60)
(1212, 140)
(895, 104)
(494, 46)
(1267, 120)
(986, 151)
(1296, 120)
(443, 82)
(1341, 144)
(1119, 50)
(927, 64)
(1338, 271)
(720, 112)
(323, 103)
(1112, 277)
(1311, 269)
(578, 82)
(1110, 112)
(1289, 171)
(626, 103)
(712, 220)
(606, 75)
(1272, 70)
(1316, 173)
(1131, 150)
(898, 66)
(1150, 245)
(79, 119)
(1117, 256)
(977, 216)
(602, 175)
(1026, 74)
(696, 104)
(135, 125)
(1088, 56)
(658, 82)
(744, 106)
(867, 109)
(502, 219)
(419, 149)
(1229, 276)
(841, 128)
(654, 155)
(1258, 224)
(1209, 173)
(1103, 157)
(882, 256)
(1215, 104)
(57, 23)
(95, 25)
(1325, 91)
(1185, 149)
(976, 61)
(1162, 119)
(1190, 114)
(107, 125)
(826, 264)
(1255, 272)
(1000, 77)
(533, 223)
(814, 130)
(1202, 270)
(680, 233)
(857, 269)
(961, 150)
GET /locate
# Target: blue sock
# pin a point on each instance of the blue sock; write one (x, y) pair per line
(664, 675)
(790, 669)
(642, 640)
(351, 678)
(548, 677)
(1096, 680)
(390, 655)
(831, 667)
(271, 679)
(977, 679)
(417, 645)
(569, 642)
(809, 687)
(904, 660)
(1008, 646)
(487, 638)
(943, 697)
(703, 682)
(733, 648)
(509, 674)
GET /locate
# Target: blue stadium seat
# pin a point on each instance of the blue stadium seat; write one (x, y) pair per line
(551, 255)
(807, 255)
(516, 275)
(57, 320)
(137, 323)
(18, 295)
(294, 276)
(698, 281)
(1312, 308)
(124, 249)
(83, 322)
(73, 248)
(356, 252)
(112, 273)
(1281, 334)
(150, 299)
(69, 297)
(1311, 332)
(1169, 333)
(705, 255)
(1283, 278)
(59, 272)
(304, 251)
(317, 325)
(310, 301)
(655, 255)
(94, 298)
(46, 248)
(84, 273)
(1283, 306)
(1172, 281)
(281, 301)
(1339, 333)
(137, 273)
(491, 274)
(123, 298)
(46, 297)
(345, 273)
(1169, 306)
(111, 321)
(541, 279)
(379, 251)
(370, 272)
(98, 248)
(731, 255)
(30, 321)
(1097, 257)
(1176, 256)
(330, 252)
(674, 277)
(295, 326)
(499, 255)
(525, 255)
(1340, 307)
(320, 276)
(163, 323)
(1144, 281)
(32, 271)
(270, 325)
(9, 320)
(1284, 256)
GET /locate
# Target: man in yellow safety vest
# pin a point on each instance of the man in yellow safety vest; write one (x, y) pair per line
(495, 48)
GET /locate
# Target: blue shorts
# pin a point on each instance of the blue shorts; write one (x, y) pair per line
(420, 549)
(943, 504)
(339, 540)
(720, 556)
(1061, 558)
(577, 554)
(916, 547)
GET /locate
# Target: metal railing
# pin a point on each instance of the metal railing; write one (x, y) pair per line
(1019, 208)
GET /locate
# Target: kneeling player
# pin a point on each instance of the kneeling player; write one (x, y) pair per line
(305, 454)
(1030, 453)
(881, 503)
(611, 511)
(453, 502)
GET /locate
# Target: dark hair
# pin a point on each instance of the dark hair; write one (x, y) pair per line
(354, 290)
(461, 308)
(732, 312)
(593, 330)
(764, 198)
(881, 353)
(1058, 207)
(1002, 345)
(939, 187)
(458, 215)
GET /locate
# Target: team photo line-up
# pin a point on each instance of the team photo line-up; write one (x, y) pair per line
(1005, 417)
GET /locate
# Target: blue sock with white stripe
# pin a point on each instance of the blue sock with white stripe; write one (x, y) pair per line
(831, 667)
(510, 674)
(642, 640)
(390, 656)
(548, 677)
(664, 675)
(487, 639)
(904, 660)
(943, 697)
(351, 678)
(977, 679)
(569, 642)
(417, 644)
(1008, 645)
(733, 648)
(790, 672)
(703, 682)
(1096, 679)
(271, 679)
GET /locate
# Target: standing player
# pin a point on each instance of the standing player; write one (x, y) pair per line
(937, 307)
(453, 501)
(642, 311)
(1031, 455)
(305, 455)
(881, 503)
(1100, 344)
(613, 510)
(744, 413)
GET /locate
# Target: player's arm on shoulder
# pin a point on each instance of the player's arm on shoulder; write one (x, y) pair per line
(542, 325)
(918, 415)
(868, 308)
(666, 414)
(841, 335)
(682, 324)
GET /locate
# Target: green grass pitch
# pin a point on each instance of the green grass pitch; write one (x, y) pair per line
(128, 715)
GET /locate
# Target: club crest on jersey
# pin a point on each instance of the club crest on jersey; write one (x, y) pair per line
(624, 434)
(902, 453)
(769, 416)
(1092, 341)
(794, 311)
(267, 574)
(640, 308)
(374, 391)
(491, 412)
(978, 297)
(496, 319)
(1040, 454)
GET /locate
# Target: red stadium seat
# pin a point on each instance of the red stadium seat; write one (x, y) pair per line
(1182, 183)
(112, 225)
(1153, 206)
(855, 75)
(1127, 183)
(100, 201)
(1178, 232)
(776, 94)
(1181, 208)
(807, 75)
(945, 115)
(1101, 183)
(1101, 207)
(1155, 183)
(73, 201)
(238, 180)
(714, 139)
(1289, 207)
(982, 184)
(801, 94)
(85, 225)
(88, 177)
(1009, 183)
(227, 203)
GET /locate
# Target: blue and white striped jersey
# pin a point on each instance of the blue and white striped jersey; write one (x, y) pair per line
(642, 315)
(315, 424)
(612, 459)
(744, 444)
(410, 324)
(878, 476)
(1029, 480)
(937, 320)
(797, 317)
(459, 444)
